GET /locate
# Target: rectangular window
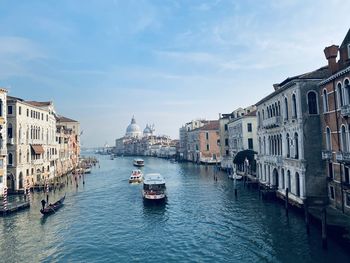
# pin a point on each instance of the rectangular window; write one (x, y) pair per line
(331, 192)
(249, 126)
(9, 109)
(346, 175)
(42, 116)
(250, 144)
(207, 147)
(347, 199)
(0, 179)
(225, 127)
(330, 170)
(27, 113)
(227, 152)
(207, 135)
(20, 110)
(1, 163)
(226, 142)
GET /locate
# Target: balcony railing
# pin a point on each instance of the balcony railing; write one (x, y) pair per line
(343, 157)
(278, 160)
(272, 122)
(345, 110)
(326, 155)
(38, 161)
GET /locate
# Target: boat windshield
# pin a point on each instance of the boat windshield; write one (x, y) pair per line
(154, 187)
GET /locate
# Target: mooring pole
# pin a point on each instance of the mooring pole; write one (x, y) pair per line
(324, 228)
(286, 203)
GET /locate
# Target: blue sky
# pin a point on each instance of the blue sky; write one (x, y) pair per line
(164, 61)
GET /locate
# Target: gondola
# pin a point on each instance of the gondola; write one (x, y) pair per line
(52, 208)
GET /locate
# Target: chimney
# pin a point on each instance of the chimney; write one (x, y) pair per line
(331, 53)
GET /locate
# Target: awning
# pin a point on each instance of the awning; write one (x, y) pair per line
(37, 148)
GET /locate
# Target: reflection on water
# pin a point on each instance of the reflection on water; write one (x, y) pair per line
(107, 220)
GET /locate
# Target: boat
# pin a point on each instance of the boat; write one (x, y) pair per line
(136, 177)
(154, 187)
(235, 176)
(87, 170)
(52, 208)
(139, 163)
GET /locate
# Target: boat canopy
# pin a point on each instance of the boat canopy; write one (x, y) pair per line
(154, 179)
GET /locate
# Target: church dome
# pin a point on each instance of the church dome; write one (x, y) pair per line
(147, 130)
(133, 130)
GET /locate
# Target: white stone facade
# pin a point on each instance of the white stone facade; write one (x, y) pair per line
(3, 140)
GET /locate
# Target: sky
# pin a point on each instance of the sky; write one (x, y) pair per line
(165, 61)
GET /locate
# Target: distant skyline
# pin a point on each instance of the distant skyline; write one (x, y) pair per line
(164, 61)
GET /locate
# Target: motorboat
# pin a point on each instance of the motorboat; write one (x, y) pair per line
(154, 187)
(139, 163)
(136, 177)
(235, 176)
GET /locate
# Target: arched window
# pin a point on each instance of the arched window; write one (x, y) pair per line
(273, 110)
(10, 159)
(312, 102)
(20, 157)
(286, 108)
(347, 91)
(27, 156)
(279, 108)
(10, 131)
(264, 146)
(294, 101)
(263, 114)
(328, 139)
(297, 184)
(20, 134)
(340, 95)
(288, 145)
(296, 140)
(344, 141)
(282, 179)
(325, 101)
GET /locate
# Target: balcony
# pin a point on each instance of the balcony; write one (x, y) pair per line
(345, 110)
(38, 161)
(326, 155)
(277, 160)
(272, 122)
(343, 157)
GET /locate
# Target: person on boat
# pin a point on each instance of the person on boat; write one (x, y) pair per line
(43, 203)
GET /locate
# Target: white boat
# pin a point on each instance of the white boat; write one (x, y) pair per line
(154, 187)
(136, 177)
(139, 163)
(235, 176)
(87, 170)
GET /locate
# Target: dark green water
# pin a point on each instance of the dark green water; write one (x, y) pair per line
(107, 221)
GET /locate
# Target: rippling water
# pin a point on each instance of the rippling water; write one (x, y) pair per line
(106, 221)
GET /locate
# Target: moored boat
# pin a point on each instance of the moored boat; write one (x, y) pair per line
(139, 163)
(52, 208)
(136, 177)
(154, 187)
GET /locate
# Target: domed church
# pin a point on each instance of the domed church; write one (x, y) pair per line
(133, 130)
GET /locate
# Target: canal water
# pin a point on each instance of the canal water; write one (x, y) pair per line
(105, 220)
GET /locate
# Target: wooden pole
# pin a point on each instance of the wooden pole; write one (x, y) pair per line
(286, 203)
(307, 223)
(324, 228)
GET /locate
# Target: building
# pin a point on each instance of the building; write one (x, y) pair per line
(289, 152)
(3, 141)
(203, 143)
(242, 132)
(334, 94)
(133, 130)
(183, 143)
(224, 120)
(31, 143)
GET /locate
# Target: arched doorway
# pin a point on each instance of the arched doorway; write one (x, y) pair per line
(275, 178)
(20, 181)
(10, 182)
(297, 184)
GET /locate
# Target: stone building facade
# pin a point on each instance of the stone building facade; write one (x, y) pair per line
(289, 151)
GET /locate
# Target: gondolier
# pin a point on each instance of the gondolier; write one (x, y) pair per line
(43, 203)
